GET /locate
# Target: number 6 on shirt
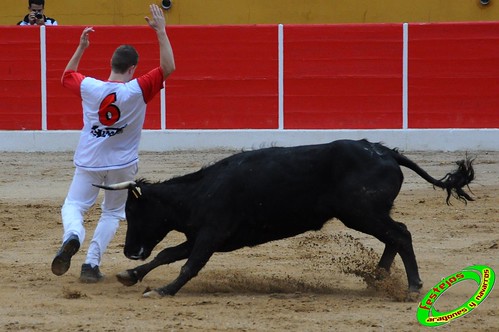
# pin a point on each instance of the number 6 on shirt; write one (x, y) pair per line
(109, 113)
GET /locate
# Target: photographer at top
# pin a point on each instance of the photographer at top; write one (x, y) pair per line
(36, 15)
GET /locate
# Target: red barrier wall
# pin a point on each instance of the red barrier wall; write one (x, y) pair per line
(20, 89)
(335, 76)
(454, 75)
(343, 76)
(226, 78)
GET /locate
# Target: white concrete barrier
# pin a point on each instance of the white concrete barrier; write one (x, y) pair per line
(168, 140)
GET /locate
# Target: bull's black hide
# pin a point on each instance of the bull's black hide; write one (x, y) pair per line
(258, 196)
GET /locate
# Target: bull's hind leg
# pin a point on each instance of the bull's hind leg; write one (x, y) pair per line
(397, 239)
(390, 251)
(387, 258)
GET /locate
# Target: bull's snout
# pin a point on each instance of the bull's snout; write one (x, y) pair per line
(136, 254)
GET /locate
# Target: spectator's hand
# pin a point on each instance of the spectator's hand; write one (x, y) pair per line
(32, 17)
(84, 40)
(158, 18)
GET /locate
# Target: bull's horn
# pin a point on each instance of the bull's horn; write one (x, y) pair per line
(117, 186)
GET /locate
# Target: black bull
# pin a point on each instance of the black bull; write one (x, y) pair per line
(273, 193)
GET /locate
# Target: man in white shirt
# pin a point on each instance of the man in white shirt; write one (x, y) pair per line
(113, 117)
(36, 14)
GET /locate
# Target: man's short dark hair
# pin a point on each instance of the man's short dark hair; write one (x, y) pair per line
(123, 58)
(36, 2)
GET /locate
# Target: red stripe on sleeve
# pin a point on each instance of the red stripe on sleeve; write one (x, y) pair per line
(72, 80)
(151, 83)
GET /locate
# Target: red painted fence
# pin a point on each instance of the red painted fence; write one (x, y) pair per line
(20, 93)
(343, 76)
(454, 75)
(227, 77)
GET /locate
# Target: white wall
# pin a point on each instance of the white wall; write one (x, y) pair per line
(168, 140)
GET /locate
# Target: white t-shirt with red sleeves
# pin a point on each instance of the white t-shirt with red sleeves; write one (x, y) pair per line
(113, 117)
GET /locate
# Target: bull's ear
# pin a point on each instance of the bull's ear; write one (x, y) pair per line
(136, 191)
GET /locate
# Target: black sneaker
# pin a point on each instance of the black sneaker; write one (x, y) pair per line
(62, 260)
(90, 274)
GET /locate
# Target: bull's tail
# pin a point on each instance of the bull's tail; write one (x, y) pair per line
(452, 182)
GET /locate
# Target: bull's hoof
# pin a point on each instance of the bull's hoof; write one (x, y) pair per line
(412, 296)
(153, 294)
(414, 292)
(381, 273)
(127, 278)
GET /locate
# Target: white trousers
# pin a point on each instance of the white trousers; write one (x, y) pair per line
(82, 196)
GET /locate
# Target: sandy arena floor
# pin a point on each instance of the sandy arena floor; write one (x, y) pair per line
(308, 283)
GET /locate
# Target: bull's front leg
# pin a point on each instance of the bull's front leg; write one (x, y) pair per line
(166, 256)
(203, 249)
